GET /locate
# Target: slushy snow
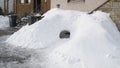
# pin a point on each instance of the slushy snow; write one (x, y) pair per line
(4, 22)
(94, 40)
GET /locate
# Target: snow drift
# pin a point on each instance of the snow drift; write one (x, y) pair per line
(4, 22)
(94, 40)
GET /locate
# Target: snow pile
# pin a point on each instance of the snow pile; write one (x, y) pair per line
(96, 44)
(93, 43)
(46, 31)
(4, 22)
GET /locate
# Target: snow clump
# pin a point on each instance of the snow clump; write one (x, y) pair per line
(4, 22)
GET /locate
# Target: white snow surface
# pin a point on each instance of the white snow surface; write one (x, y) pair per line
(94, 41)
(4, 22)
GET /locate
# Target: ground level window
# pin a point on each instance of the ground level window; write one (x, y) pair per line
(75, 0)
(22, 1)
(45, 1)
(27, 1)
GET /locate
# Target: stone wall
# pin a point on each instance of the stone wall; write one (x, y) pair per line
(113, 7)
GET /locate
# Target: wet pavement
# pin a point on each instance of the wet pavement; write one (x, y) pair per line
(7, 31)
(11, 57)
(17, 57)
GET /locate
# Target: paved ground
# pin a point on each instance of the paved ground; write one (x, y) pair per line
(11, 57)
(8, 31)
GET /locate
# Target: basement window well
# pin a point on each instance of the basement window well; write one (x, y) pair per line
(65, 34)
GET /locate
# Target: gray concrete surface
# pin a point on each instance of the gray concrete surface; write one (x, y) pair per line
(11, 57)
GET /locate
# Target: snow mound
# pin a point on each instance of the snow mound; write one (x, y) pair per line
(4, 22)
(94, 40)
(96, 44)
(46, 31)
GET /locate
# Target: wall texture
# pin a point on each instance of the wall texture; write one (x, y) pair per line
(10, 7)
(113, 7)
(23, 8)
(45, 6)
(2, 4)
(88, 5)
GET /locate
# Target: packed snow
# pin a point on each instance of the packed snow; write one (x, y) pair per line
(4, 22)
(94, 40)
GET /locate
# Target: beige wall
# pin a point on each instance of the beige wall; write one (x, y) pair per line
(88, 5)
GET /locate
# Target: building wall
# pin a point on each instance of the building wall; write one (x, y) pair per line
(23, 8)
(87, 6)
(10, 7)
(45, 5)
(2, 4)
(113, 7)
